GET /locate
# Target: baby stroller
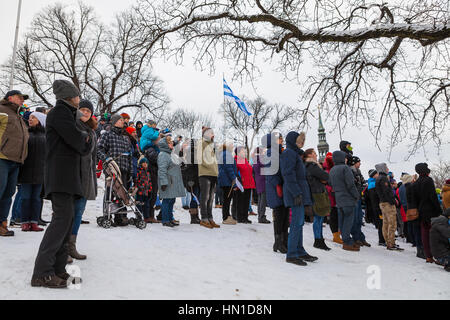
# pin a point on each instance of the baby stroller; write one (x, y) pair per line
(117, 200)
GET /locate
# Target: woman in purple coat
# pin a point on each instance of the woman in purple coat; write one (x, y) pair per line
(260, 186)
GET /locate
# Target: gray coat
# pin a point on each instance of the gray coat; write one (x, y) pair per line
(343, 182)
(169, 174)
(89, 165)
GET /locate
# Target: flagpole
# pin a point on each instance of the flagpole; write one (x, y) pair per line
(224, 113)
(13, 67)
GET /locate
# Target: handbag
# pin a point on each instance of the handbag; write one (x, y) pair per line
(321, 204)
(412, 214)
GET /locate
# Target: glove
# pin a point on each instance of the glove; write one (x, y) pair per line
(163, 188)
(280, 191)
(298, 200)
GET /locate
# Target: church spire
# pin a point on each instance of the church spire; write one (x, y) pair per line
(323, 146)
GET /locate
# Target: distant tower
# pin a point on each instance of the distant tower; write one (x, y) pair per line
(323, 146)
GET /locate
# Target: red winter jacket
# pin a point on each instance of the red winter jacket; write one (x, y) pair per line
(245, 171)
(328, 165)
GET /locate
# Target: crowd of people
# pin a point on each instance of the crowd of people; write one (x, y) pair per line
(59, 154)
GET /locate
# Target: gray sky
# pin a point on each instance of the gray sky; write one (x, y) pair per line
(193, 89)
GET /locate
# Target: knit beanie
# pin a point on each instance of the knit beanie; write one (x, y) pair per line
(125, 116)
(382, 168)
(372, 173)
(144, 159)
(41, 117)
(115, 118)
(87, 105)
(130, 130)
(64, 89)
(422, 169)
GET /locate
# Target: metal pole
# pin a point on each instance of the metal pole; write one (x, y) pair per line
(13, 67)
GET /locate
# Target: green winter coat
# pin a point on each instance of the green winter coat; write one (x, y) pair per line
(169, 174)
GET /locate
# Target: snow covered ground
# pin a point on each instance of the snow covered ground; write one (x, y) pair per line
(231, 263)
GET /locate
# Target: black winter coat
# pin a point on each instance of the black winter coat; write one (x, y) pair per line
(439, 235)
(315, 176)
(152, 154)
(189, 170)
(410, 196)
(427, 200)
(32, 171)
(384, 189)
(65, 144)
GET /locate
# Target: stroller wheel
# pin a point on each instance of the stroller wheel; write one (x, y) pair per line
(100, 221)
(106, 224)
(141, 224)
(132, 221)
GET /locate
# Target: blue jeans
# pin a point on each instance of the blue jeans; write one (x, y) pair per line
(31, 203)
(186, 201)
(9, 171)
(318, 227)
(167, 210)
(80, 206)
(295, 239)
(346, 221)
(358, 235)
(16, 212)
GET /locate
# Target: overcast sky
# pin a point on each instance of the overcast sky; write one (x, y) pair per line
(193, 89)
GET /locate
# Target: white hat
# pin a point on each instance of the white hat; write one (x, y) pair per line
(41, 117)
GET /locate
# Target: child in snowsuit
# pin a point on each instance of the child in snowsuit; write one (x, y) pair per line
(144, 186)
(149, 134)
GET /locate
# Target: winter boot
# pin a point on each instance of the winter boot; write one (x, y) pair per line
(230, 221)
(317, 244)
(420, 254)
(194, 216)
(206, 224)
(296, 261)
(26, 227)
(264, 221)
(323, 245)
(337, 238)
(279, 245)
(72, 247)
(4, 232)
(35, 228)
(447, 268)
(52, 282)
(215, 225)
(430, 260)
(309, 258)
(347, 247)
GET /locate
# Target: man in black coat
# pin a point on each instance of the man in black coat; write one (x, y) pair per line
(65, 144)
(440, 239)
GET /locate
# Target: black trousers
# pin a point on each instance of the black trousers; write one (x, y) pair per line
(227, 197)
(207, 190)
(153, 196)
(53, 253)
(334, 220)
(280, 218)
(242, 205)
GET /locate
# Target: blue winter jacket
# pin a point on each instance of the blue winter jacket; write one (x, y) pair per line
(273, 200)
(371, 183)
(227, 170)
(403, 198)
(294, 173)
(148, 135)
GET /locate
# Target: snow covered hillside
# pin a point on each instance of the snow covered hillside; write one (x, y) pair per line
(234, 262)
